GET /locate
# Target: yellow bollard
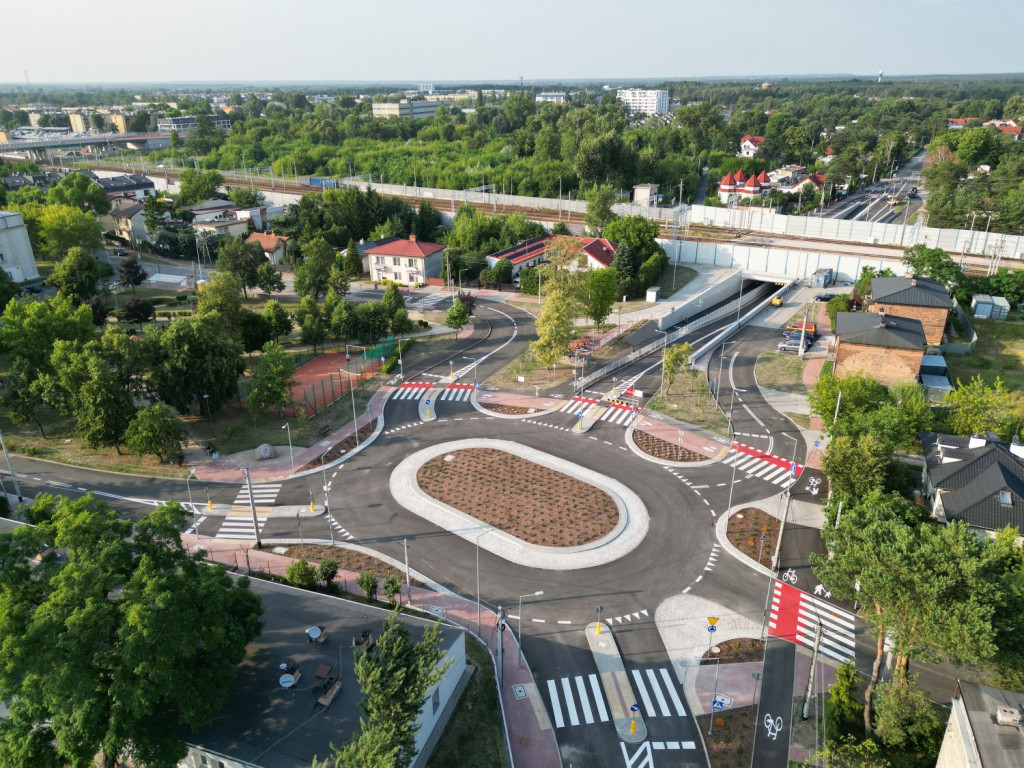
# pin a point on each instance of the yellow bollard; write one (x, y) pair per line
(599, 627)
(312, 508)
(209, 505)
(632, 726)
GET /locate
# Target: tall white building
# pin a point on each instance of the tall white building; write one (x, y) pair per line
(640, 100)
(16, 257)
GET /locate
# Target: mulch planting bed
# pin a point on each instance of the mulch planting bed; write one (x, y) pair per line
(737, 650)
(343, 447)
(527, 500)
(347, 560)
(746, 529)
(663, 449)
(733, 738)
(509, 410)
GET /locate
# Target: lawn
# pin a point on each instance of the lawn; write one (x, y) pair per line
(474, 735)
(783, 373)
(999, 353)
(674, 278)
(689, 401)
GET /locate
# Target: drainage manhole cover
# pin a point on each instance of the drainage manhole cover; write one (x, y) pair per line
(519, 691)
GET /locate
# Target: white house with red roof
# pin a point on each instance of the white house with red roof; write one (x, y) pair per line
(749, 145)
(409, 261)
(598, 251)
(273, 245)
(1005, 127)
(741, 186)
(957, 123)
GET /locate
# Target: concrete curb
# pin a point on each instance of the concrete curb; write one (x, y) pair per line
(681, 464)
(721, 529)
(632, 528)
(520, 416)
(615, 682)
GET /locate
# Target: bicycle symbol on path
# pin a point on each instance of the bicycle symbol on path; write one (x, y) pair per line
(789, 576)
(812, 485)
(772, 726)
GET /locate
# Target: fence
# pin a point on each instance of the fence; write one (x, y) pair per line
(961, 348)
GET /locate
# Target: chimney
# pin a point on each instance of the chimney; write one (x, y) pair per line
(412, 238)
(976, 441)
(1016, 447)
(913, 283)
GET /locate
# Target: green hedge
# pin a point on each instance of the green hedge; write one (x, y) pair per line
(650, 271)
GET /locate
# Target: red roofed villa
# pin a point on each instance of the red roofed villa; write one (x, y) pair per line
(599, 252)
(739, 185)
(405, 261)
(749, 145)
(273, 245)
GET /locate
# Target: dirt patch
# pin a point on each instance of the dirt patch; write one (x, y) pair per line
(663, 449)
(733, 737)
(529, 501)
(344, 446)
(743, 649)
(754, 533)
(508, 410)
(347, 560)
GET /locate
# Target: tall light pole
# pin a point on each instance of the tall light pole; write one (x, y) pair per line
(664, 351)
(538, 593)
(188, 487)
(291, 454)
(789, 495)
(209, 411)
(478, 581)
(14, 477)
(352, 392)
(460, 277)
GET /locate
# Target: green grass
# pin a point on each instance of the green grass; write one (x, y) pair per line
(474, 736)
(683, 275)
(781, 372)
(689, 401)
(998, 354)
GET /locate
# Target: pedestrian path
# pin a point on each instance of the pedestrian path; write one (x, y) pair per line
(263, 494)
(589, 407)
(430, 301)
(579, 700)
(763, 465)
(339, 528)
(458, 393)
(412, 390)
(240, 526)
(795, 615)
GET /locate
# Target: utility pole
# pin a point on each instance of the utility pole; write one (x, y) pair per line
(252, 508)
(810, 677)
(501, 649)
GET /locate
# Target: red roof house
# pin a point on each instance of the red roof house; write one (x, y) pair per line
(409, 261)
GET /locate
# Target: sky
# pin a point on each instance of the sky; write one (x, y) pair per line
(259, 41)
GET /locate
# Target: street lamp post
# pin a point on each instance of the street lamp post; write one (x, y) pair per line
(538, 593)
(478, 581)
(664, 351)
(291, 454)
(352, 392)
(718, 381)
(188, 487)
(209, 411)
(460, 277)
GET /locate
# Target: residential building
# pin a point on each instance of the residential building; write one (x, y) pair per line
(550, 98)
(261, 216)
(209, 210)
(596, 253)
(977, 479)
(643, 101)
(293, 696)
(79, 122)
(118, 122)
(828, 157)
(984, 728)
(127, 220)
(222, 227)
(406, 108)
(736, 186)
(16, 255)
(812, 182)
(130, 185)
(185, 124)
(957, 123)
(886, 349)
(749, 145)
(364, 248)
(916, 297)
(787, 175)
(405, 261)
(273, 246)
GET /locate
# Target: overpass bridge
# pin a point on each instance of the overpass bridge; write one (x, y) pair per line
(43, 148)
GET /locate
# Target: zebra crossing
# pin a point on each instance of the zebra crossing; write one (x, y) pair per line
(579, 700)
(796, 615)
(457, 393)
(615, 413)
(411, 390)
(240, 526)
(764, 466)
(428, 302)
(263, 494)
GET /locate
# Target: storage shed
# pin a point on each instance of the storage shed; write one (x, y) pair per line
(989, 307)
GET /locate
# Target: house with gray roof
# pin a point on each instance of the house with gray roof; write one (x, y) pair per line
(984, 728)
(888, 349)
(977, 479)
(914, 297)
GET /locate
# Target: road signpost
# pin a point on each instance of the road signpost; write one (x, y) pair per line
(633, 709)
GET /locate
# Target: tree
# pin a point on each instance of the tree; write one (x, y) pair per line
(367, 582)
(253, 330)
(313, 275)
(99, 308)
(271, 380)
(428, 221)
(677, 358)
(222, 294)
(561, 228)
(79, 191)
(554, 329)
(61, 228)
(268, 279)
(301, 574)
(29, 329)
(933, 263)
(501, 273)
(327, 571)
(241, 259)
(313, 329)
(195, 186)
(599, 208)
(602, 287)
(155, 430)
(392, 586)
(859, 393)
(277, 316)
(353, 263)
(978, 407)
(131, 273)
(905, 718)
(842, 710)
(138, 311)
(119, 644)
(401, 323)
(467, 299)
(75, 275)
(528, 282)
(8, 289)
(194, 358)
(154, 213)
(344, 322)
(457, 316)
(246, 198)
(392, 300)
(848, 752)
(855, 465)
(21, 397)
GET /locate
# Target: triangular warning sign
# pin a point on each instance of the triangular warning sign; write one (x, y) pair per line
(712, 620)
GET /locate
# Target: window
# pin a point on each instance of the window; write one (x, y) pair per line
(1005, 498)
(410, 262)
(396, 261)
(378, 260)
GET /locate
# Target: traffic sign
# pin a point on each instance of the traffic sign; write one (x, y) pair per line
(712, 628)
(634, 707)
(428, 402)
(579, 414)
(712, 620)
(792, 468)
(718, 704)
(817, 443)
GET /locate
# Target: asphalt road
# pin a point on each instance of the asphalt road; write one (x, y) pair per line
(771, 742)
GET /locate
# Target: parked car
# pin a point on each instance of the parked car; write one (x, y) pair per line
(120, 252)
(793, 345)
(824, 297)
(30, 289)
(797, 335)
(799, 326)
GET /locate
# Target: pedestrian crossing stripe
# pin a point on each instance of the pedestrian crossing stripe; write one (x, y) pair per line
(579, 700)
(239, 527)
(795, 616)
(412, 390)
(457, 395)
(339, 528)
(429, 301)
(576, 403)
(763, 466)
(263, 494)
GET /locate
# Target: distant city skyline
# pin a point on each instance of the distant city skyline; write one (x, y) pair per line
(260, 41)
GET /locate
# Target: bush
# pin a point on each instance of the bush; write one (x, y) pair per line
(392, 586)
(836, 305)
(326, 570)
(650, 271)
(301, 574)
(367, 582)
(423, 323)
